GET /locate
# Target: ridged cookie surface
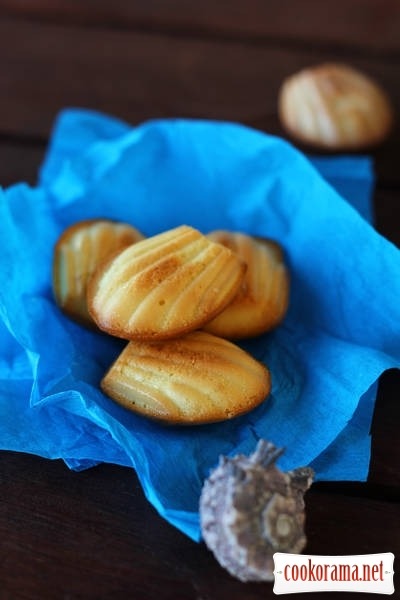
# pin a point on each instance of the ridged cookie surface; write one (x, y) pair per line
(164, 286)
(198, 378)
(336, 107)
(262, 300)
(77, 254)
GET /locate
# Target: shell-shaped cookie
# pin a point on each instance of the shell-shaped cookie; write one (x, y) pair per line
(336, 107)
(164, 286)
(262, 300)
(197, 378)
(250, 509)
(77, 254)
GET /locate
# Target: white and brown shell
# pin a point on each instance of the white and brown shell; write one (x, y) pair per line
(335, 107)
(250, 509)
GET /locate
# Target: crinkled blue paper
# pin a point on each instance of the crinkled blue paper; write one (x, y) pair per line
(341, 331)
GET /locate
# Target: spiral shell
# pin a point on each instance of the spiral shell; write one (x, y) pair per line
(249, 509)
(335, 107)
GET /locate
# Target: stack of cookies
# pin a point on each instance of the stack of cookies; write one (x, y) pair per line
(179, 298)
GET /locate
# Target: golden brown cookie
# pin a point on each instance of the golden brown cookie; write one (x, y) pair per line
(77, 254)
(335, 107)
(262, 300)
(197, 378)
(164, 286)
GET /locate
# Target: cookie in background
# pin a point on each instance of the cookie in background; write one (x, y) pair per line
(335, 107)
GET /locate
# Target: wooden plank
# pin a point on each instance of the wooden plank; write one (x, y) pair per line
(385, 450)
(56, 527)
(387, 201)
(19, 161)
(372, 25)
(136, 76)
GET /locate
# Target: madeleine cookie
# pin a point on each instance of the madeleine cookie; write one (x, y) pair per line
(335, 107)
(262, 300)
(198, 378)
(164, 286)
(77, 254)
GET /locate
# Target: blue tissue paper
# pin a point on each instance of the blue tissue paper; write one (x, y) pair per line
(341, 331)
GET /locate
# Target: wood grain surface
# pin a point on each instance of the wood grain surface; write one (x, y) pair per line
(93, 535)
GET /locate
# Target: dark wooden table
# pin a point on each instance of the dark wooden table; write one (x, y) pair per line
(92, 535)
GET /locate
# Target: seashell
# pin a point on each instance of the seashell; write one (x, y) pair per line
(249, 509)
(335, 107)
